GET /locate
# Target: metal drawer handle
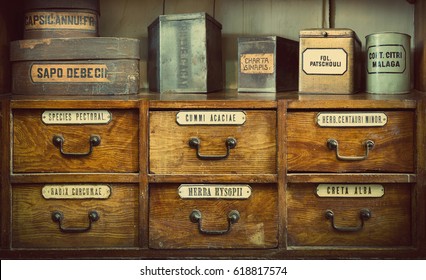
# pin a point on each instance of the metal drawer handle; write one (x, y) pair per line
(364, 215)
(58, 216)
(58, 141)
(332, 144)
(195, 144)
(233, 217)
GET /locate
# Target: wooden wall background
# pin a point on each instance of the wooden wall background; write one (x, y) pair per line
(257, 17)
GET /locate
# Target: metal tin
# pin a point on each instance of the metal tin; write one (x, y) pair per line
(267, 64)
(185, 54)
(75, 66)
(329, 61)
(388, 63)
(61, 18)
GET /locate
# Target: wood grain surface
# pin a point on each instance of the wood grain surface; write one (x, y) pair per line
(33, 227)
(393, 151)
(255, 152)
(390, 223)
(34, 151)
(171, 228)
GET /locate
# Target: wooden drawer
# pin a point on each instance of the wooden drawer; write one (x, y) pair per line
(309, 223)
(34, 148)
(33, 225)
(172, 227)
(311, 147)
(254, 153)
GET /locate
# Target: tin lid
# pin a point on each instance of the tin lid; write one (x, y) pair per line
(191, 16)
(276, 39)
(75, 49)
(328, 33)
(62, 4)
(257, 38)
(388, 33)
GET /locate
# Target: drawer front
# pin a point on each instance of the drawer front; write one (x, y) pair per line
(173, 222)
(254, 151)
(33, 224)
(311, 147)
(310, 222)
(34, 149)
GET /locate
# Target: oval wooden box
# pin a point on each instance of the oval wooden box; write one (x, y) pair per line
(61, 19)
(75, 66)
(393, 151)
(388, 226)
(34, 150)
(33, 226)
(170, 226)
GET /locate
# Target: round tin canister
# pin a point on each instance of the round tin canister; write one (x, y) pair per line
(61, 18)
(388, 63)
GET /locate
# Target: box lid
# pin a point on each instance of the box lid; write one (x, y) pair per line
(75, 49)
(191, 16)
(257, 38)
(62, 4)
(328, 33)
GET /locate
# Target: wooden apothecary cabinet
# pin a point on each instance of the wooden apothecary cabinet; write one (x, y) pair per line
(284, 179)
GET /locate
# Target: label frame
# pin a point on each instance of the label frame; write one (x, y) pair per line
(214, 186)
(386, 45)
(242, 121)
(324, 74)
(378, 191)
(361, 113)
(76, 123)
(47, 196)
(67, 80)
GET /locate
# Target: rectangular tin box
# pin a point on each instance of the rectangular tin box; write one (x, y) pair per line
(330, 61)
(75, 66)
(185, 54)
(267, 64)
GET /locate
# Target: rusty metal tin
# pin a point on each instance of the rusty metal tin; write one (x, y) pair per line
(61, 18)
(330, 61)
(388, 63)
(185, 54)
(267, 64)
(75, 66)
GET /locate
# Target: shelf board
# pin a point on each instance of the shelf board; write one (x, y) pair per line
(216, 178)
(351, 178)
(28, 178)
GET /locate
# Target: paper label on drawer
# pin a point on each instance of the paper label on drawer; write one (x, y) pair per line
(76, 117)
(197, 191)
(257, 63)
(350, 190)
(325, 61)
(60, 20)
(76, 191)
(69, 73)
(211, 117)
(351, 119)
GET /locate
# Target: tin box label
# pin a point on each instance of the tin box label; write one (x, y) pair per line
(60, 20)
(351, 119)
(76, 191)
(69, 73)
(257, 63)
(203, 191)
(389, 59)
(324, 61)
(211, 117)
(76, 117)
(350, 190)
